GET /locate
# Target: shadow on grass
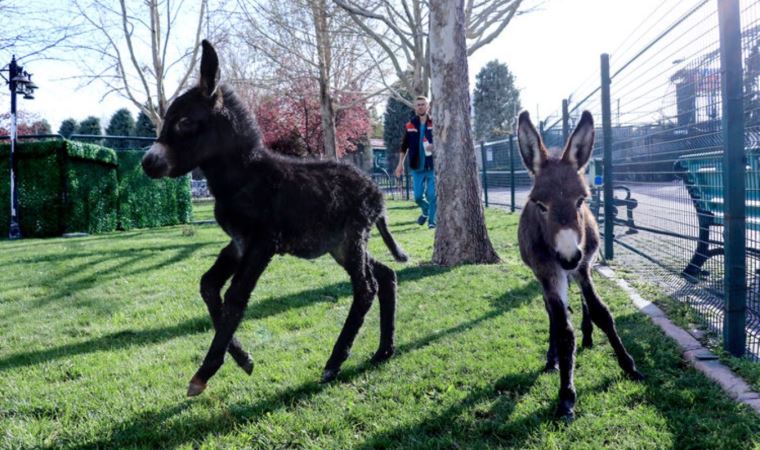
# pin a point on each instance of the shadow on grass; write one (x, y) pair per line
(25, 244)
(256, 310)
(697, 411)
(402, 205)
(155, 429)
(88, 274)
(439, 431)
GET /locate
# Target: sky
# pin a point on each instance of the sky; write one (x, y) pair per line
(551, 51)
(556, 49)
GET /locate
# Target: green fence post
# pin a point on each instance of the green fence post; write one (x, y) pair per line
(734, 273)
(609, 225)
(512, 172)
(565, 122)
(485, 176)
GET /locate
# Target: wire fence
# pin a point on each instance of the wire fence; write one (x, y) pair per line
(672, 217)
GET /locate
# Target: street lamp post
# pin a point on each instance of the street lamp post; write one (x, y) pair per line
(20, 82)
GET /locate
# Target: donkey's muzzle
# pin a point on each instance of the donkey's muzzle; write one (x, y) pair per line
(154, 162)
(572, 263)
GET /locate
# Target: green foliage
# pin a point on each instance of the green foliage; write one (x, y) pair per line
(144, 202)
(99, 195)
(64, 186)
(496, 101)
(92, 188)
(91, 126)
(101, 188)
(144, 127)
(68, 127)
(121, 124)
(396, 115)
(39, 180)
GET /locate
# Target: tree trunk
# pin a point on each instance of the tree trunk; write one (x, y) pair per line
(461, 235)
(328, 121)
(324, 55)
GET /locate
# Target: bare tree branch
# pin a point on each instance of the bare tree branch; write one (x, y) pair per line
(126, 47)
(408, 22)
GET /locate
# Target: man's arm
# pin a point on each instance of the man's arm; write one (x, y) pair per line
(403, 150)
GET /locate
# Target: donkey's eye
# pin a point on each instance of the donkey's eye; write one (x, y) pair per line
(184, 126)
(580, 202)
(541, 206)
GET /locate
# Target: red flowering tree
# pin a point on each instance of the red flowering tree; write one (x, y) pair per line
(26, 124)
(291, 123)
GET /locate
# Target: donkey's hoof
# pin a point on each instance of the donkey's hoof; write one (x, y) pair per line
(247, 366)
(565, 411)
(635, 375)
(196, 387)
(587, 343)
(329, 374)
(382, 355)
(551, 367)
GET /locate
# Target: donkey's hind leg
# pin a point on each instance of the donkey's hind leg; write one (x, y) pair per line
(211, 286)
(552, 359)
(353, 256)
(601, 316)
(386, 294)
(587, 328)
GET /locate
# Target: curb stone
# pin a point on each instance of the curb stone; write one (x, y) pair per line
(693, 351)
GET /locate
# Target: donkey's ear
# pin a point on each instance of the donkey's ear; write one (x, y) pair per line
(532, 149)
(581, 143)
(209, 69)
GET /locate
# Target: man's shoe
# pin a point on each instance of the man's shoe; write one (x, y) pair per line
(421, 220)
(431, 226)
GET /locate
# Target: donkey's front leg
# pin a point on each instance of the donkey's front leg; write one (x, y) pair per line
(555, 298)
(252, 265)
(211, 285)
(601, 316)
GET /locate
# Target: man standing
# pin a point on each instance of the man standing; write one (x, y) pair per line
(418, 143)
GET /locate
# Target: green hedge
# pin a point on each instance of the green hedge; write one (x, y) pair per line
(150, 203)
(64, 187)
(39, 179)
(92, 188)
(67, 186)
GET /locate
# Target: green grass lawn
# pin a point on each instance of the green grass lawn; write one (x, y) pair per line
(101, 334)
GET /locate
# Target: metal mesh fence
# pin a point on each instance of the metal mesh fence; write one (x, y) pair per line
(668, 104)
(667, 151)
(750, 11)
(505, 181)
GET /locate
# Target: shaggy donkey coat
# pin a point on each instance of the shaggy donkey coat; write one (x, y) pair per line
(558, 239)
(270, 204)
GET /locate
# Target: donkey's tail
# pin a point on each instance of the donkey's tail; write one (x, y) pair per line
(396, 251)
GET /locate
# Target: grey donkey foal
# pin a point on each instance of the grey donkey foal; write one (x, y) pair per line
(558, 239)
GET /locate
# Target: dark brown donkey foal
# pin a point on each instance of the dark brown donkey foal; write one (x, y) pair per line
(559, 238)
(270, 204)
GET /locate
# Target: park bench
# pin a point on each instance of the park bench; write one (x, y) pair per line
(702, 173)
(596, 169)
